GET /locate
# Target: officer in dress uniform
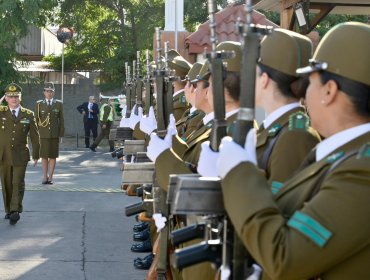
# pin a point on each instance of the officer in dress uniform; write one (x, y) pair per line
(192, 116)
(16, 123)
(183, 156)
(181, 68)
(278, 90)
(50, 121)
(106, 121)
(316, 225)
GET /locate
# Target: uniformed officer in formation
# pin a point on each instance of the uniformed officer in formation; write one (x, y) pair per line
(315, 225)
(17, 123)
(106, 117)
(50, 121)
(278, 91)
(192, 116)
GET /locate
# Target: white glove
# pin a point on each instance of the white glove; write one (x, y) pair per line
(207, 164)
(124, 122)
(225, 272)
(148, 124)
(124, 110)
(231, 154)
(157, 145)
(160, 221)
(257, 270)
(134, 119)
(171, 129)
(250, 146)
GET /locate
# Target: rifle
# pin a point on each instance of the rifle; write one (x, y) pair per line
(128, 90)
(139, 83)
(134, 85)
(215, 59)
(148, 86)
(251, 37)
(211, 189)
(164, 109)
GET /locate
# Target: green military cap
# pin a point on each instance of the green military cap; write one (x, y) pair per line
(232, 64)
(49, 86)
(171, 54)
(13, 90)
(180, 66)
(285, 51)
(194, 71)
(344, 51)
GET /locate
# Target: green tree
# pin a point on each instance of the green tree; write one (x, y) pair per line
(15, 17)
(196, 12)
(108, 33)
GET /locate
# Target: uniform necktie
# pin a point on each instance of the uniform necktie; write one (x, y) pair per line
(14, 115)
(49, 102)
(90, 115)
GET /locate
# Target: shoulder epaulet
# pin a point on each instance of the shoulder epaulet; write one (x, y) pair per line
(364, 151)
(299, 120)
(57, 100)
(39, 101)
(27, 111)
(3, 108)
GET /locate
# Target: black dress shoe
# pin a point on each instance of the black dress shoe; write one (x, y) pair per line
(144, 246)
(140, 226)
(92, 149)
(50, 182)
(142, 235)
(145, 263)
(7, 216)
(45, 182)
(14, 218)
(146, 257)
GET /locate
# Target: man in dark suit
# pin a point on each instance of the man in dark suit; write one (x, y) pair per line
(90, 112)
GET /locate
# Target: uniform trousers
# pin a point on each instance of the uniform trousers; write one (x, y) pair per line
(104, 133)
(90, 126)
(12, 182)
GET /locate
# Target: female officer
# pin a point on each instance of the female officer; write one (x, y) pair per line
(316, 226)
(278, 91)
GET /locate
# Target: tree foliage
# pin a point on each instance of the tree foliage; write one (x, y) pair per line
(15, 16)
(109, 32)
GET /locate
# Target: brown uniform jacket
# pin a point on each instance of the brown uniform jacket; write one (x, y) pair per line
(13, 137)
(294, 236)
(180, 105)
(169, 162)
(50, 119)
(189, 123)
(275, 143)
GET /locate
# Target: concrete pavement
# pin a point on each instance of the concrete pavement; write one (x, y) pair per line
(75, 229)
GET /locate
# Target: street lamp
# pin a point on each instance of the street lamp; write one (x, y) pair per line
(64, 34)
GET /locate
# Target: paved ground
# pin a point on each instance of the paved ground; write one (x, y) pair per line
(75, 229)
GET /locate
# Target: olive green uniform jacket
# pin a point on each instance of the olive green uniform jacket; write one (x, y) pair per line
(189, 123)
(184, 156)
(13, 137)
(50, 119)
(283, 145)
(294, 236)
(14, 154)
(180, 105)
